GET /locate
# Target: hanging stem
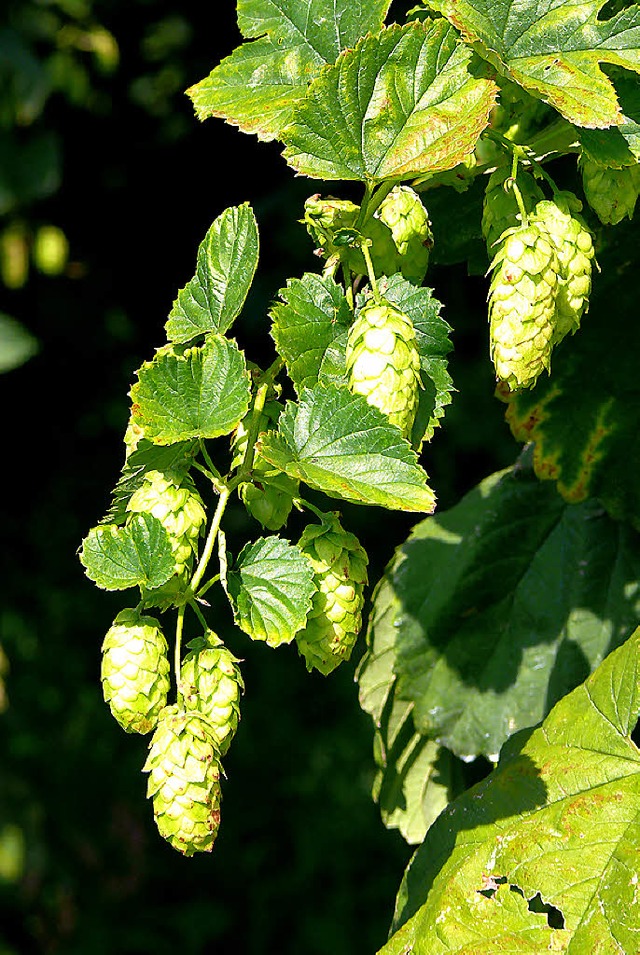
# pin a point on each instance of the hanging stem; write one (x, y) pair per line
(178, 650)
(370, 271)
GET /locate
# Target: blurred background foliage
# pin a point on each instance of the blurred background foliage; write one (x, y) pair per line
(107, 185)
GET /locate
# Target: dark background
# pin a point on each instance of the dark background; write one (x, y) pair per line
(303, 862)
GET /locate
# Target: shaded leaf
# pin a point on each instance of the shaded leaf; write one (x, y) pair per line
(620, 145)
(402, 103)
(479, 653)
(556, 823)
(270, 589)
(192, 393)
(257, 87)
(555, 51)
(313, 313)
(335, 442)
(416, 779)
(139, 553)
(227, 261)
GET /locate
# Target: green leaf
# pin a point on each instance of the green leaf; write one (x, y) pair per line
(620, 145)
(335, 442)
(416, 778)
(556, 824)
(139, 553)
(314, 313)
(227, 261)
(585, 418)
(478, 653)
(176, 458)
(17, 345)
(554, 50)
(402, 103)
(270, 588)
(192, 393)
(432, 339)
(257, 87)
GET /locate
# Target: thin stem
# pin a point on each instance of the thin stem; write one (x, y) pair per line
(208, 585)
(245, 468)
(178, 650)
(210, 541)
(302, 504)
(212, 473)
(371, 273)
(196, 609)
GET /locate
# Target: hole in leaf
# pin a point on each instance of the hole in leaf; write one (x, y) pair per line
(491, 884)
(555, 918)
(611, 7)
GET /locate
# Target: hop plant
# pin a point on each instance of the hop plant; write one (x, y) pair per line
(135, 671)
(573, 243)
(383, 362)
(611, 193)
(211, 684)
(178, 508)
(500, 210)
(269, 496)
(184, 780)
(340, 566)
(522, 304)
(405, 215)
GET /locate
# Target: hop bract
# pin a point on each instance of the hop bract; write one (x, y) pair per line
(135, 671)
(340, 565)
(184, 780)
(211, 684)
(405, 215)
(269, 496)
(573, 243)
(383, 363)
(611, 193)
(522, 304)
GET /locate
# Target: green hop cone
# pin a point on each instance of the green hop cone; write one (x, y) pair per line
(383, 363)
(269, 496)
(184, 780)
(177, 506)
(573, 243)
(405, 215)
(522, 305)
(340, 565)
(611, 193)
(135, 671)
(211, 684)
(500, 210)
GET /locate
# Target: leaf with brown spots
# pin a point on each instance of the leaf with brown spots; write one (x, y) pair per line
(401, 104)
(554, 50)
(544, 854)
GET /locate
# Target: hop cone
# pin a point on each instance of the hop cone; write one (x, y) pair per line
(500, 210)
(335, 619)
(403, 212)
(211, 684)
(184, 780)
(611, 193)
(574, 246)
(177, 507)
(269, 497)
(383, 363)
(135, 671)
(522, 304)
